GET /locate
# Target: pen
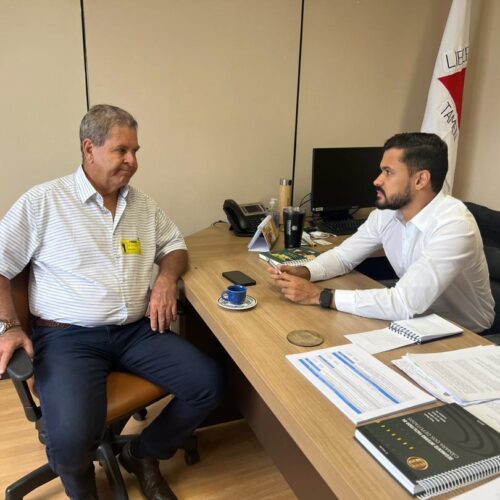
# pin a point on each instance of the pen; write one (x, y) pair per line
(274, 266)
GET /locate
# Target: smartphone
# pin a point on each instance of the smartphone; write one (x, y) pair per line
(238, 278)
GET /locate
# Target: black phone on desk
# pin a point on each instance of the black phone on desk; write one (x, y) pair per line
(244, 218)
(238, 278)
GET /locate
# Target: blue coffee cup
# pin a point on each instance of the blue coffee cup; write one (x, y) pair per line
(235, 294)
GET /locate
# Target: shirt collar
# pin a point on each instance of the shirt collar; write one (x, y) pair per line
(85, 189)
(423, 217)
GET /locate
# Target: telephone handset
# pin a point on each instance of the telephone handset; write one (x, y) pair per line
(244, 218)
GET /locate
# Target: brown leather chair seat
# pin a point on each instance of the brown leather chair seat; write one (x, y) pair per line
(129, 393)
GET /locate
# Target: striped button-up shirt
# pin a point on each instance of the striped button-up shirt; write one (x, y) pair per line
(87, 268)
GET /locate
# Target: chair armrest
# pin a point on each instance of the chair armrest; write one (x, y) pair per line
(20, 367)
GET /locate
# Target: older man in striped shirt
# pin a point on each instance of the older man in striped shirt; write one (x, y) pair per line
(92, 240)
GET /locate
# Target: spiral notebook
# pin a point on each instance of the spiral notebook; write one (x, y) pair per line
(290, 256)
(405, 332)
(434, 451)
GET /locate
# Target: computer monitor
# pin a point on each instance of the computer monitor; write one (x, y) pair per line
(342, 179)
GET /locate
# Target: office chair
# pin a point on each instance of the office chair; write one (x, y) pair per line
(488, 221)
(128, 395)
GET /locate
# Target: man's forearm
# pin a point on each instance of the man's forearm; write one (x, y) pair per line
(173, 265)
(7, 309)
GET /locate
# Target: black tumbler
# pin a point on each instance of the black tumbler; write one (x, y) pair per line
(293, 219)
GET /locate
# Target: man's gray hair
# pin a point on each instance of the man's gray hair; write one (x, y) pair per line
(100, 119)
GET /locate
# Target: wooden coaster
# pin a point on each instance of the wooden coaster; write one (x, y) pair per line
(305, 338)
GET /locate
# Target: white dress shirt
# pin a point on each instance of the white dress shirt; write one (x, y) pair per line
(87, 268)
(438, 256)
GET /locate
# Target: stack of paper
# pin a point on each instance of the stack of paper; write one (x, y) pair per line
(361, 386)
(465, 376)
(488, 412)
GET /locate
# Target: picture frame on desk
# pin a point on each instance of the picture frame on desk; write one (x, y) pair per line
(265, 237)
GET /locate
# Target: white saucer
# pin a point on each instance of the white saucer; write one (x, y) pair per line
(248, 304)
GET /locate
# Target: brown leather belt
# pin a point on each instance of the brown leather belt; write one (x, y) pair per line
(50, 324)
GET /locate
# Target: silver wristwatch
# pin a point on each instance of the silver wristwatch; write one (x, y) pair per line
(7, 324)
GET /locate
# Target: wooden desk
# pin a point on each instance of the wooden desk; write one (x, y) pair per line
(310, 440)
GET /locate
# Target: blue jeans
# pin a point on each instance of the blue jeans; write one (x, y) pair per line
(71, 367)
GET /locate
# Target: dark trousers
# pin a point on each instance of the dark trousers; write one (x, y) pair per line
(71, 367)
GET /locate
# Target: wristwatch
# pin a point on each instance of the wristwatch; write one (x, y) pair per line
(7, 324)
(325, 298)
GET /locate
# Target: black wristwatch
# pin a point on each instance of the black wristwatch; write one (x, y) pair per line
(325, 298)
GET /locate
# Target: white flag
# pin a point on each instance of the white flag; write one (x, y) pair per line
(444, 102)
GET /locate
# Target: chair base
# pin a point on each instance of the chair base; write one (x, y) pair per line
(106, 456)
(31, 481)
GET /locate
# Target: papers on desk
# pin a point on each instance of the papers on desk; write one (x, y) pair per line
(488, 412)
(405, 332)
(489, 490)
(361, 386)
(376, 341)
(465, 376)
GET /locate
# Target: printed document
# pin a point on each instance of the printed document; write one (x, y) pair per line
(419, 376)
(488, 412)
(376, 341)
(361, 386)
(468, 376)
(487, 491)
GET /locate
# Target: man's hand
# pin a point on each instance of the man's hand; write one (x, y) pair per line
(9, 342)
(162, 309)
(300, 271)
(295, 285)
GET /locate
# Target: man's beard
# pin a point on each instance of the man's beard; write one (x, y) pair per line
(395, 202)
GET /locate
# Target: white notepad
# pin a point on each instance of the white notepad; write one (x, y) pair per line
(405, 332)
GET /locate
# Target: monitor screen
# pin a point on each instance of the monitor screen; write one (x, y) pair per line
(342, 178)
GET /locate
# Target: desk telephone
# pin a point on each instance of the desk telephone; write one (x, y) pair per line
(244, 218)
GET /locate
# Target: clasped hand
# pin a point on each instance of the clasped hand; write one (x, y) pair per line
(295, 285)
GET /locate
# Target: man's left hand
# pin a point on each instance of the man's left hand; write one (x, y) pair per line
(162, 309)
(297, 289)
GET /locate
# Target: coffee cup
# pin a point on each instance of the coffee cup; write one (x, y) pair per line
(293, 220)
(235, 294)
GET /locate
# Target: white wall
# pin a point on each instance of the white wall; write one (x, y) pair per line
(213, 83)
(365, 75)
(477, 176)
(43, 93)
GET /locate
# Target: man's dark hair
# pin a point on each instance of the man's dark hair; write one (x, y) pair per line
(96, 125)
(422, 151)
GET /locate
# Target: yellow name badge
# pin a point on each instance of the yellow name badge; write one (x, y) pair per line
(131, 247)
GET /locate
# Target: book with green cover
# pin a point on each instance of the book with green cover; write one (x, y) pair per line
(433, 451)
(290, 256)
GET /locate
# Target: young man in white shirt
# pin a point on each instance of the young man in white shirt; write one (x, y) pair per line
(431, 240)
